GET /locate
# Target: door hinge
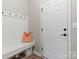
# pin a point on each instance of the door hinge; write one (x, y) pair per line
(42, 29)
(41, 9)
(42, 48)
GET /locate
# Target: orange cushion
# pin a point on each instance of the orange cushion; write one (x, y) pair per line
(27, 37)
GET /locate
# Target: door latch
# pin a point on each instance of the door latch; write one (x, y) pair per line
(42, 48)
(63, 35)
(41, 9)
(42, 29)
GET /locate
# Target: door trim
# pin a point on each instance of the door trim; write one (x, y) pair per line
(69, 28)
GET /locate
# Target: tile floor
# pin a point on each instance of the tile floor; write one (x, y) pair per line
(21, 56)
(33, 57)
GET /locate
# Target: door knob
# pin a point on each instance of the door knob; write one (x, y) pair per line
(64, 34)
(65, 29)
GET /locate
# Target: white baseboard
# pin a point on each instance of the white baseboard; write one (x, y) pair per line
(37, 53)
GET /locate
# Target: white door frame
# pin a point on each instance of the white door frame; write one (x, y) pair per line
(69, 28)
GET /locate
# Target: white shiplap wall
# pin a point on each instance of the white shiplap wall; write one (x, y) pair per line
(13, 28)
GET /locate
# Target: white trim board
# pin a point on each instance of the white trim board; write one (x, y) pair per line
(69, 28)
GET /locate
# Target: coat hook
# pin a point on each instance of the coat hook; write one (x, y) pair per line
(5, 13)
(2, 12)
(16, 15)
(9, 13)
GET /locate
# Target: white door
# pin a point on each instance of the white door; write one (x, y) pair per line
(54, 23)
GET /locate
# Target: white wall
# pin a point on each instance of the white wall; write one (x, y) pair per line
(34, 22)
(12, 30)
(13, 27)
(17, 6)
(34, 25)
(21, 7)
